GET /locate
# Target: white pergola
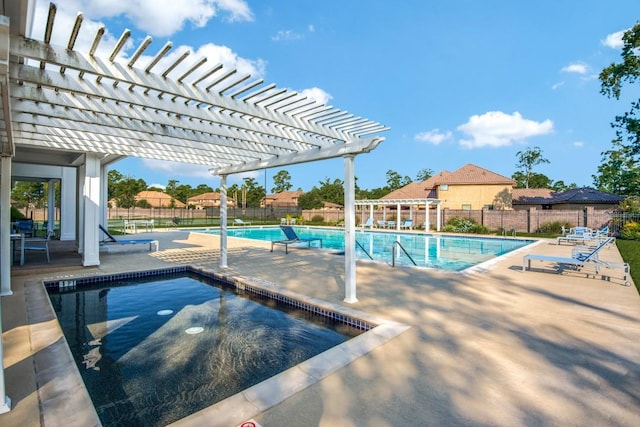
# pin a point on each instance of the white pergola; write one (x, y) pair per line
(66, 115)
(399, 203)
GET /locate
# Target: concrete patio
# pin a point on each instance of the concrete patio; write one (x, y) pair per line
(494, 347)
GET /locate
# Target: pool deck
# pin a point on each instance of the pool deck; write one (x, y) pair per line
(496, 346)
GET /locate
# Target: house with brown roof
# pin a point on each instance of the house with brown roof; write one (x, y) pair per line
(284, 199)
(158, 199)
(209, 200)
(573, 199)
(470, 187)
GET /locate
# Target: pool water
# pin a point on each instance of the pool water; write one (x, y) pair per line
(446, 252)
(152, 351)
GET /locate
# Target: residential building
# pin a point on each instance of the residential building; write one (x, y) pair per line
(209, 200)
(573, 199)
(157, 199)
(283, 199)
(470, 187)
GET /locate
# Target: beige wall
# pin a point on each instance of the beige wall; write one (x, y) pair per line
(478, 196)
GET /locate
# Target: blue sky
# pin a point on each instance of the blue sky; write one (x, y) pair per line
(460, 81)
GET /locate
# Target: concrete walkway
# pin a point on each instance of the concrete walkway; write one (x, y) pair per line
(495, 347)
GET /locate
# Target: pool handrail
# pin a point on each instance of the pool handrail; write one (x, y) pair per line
(364, 250)
(393, 254)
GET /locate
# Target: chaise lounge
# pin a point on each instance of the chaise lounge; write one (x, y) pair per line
(111, 240)
(580, 259)
(292, 238)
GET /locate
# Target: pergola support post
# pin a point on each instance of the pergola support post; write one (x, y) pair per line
(223, 221)
(91, 208)
(5, 262)
(6, 254)
(51, 207)
(349, 231)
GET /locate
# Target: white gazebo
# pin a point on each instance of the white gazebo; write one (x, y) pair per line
(67, 115)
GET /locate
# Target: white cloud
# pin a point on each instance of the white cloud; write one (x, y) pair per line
(614, 40)
(497, 129)
(311, 28)
(317, 95)
(434, 136)
(578, 144)
(557, 85)
(160, 17)
(577, 68)
(286, 35)
(155, 185)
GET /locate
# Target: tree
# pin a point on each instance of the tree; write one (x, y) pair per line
(327, 192)
(536, 180)
(126, 190)
(395, 180)
(113, 177)
(619, 172)
(282, 182)
(255, 192)
(424, 174)
(560, 186)
(28, 194)
(527, 159)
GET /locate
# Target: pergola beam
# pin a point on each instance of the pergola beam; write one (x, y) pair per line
(351, 148)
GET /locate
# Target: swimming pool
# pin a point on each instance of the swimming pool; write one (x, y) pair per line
(445, 252)
(152, 350)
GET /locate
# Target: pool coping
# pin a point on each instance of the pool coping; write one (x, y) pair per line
(59, 379)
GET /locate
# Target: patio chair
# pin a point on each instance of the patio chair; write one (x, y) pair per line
(292, 238)
(111, 240)
(25, 226)
(579, 259)
(407, 224)
(391, 224)
(240, 222)
(381, 223)
(368, 223)
(37, 244)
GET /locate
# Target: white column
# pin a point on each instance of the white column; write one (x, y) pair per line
(223, 221)
(6, 258)
(51, 207)
(427, 223)
(349, 231)
(104, 197)
(91, 212)
(68, 203)
(398, 215)
(6, 254)
(438, 218)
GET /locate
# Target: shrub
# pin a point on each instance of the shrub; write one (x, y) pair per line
(554, 227)
(631, 231)
(464, 225)
(317, 218)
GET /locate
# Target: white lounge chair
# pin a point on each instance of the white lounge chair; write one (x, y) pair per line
(407, 224)
(580, 259)
(240, 222)
(381, 223)
(368, 223)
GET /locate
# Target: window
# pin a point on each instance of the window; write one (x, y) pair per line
(444, 187)
(466, 207)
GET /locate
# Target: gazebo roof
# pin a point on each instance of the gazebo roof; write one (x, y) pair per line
(59, 103)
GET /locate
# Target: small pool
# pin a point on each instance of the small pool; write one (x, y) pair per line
(152, 350)
(445, 252)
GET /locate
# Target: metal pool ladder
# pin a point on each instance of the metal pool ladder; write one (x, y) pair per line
(393, 253)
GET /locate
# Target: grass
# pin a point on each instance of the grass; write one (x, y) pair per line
(630, 251)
